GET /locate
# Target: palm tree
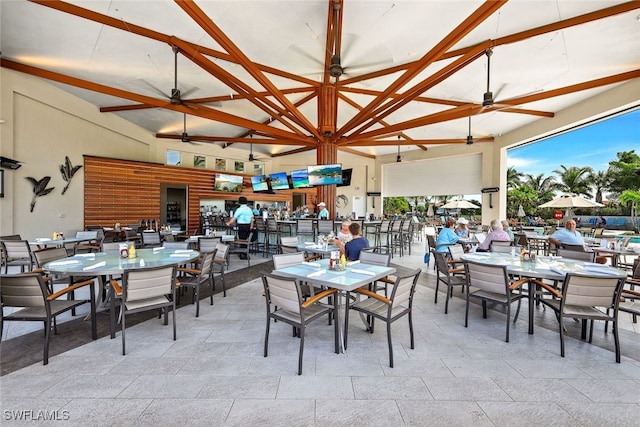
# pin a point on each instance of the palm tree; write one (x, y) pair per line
(575, 180)
(601, 181)
(633, 198)
(544, 187)
(514, 178)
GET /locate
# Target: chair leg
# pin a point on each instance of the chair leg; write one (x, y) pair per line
(266, 335)
(508, 317)
(196, 293)
(211, 284)
(123, 328)
(466, 313)
(301, 349)
(616, 338)
(411, 328)
(390, 344)
(446, 302)
(346, 316)
(47, 336)
(561, 336)
(173, 311)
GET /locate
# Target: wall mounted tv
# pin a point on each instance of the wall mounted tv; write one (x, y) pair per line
(279, 181)
(346, 177)
(300, 178)
(260, 183)
(325, 174)
(228, 183)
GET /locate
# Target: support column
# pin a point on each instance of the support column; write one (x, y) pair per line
(327, 154)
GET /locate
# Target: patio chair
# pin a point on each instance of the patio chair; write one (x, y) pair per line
(35, 302)
(194, 278)
(144, 289)
(220, 264)
(388, 310)
(447, 276)
(576, 255)
(241, 247)
(589, 298)
(151, 239)
(17, 253)
(492, 284)
(370, 257)
(285, 303)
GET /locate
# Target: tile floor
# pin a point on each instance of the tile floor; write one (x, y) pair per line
(215, 374)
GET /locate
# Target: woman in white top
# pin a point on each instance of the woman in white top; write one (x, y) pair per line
(344, 235)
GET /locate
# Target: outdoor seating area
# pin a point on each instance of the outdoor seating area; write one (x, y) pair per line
(419, 368)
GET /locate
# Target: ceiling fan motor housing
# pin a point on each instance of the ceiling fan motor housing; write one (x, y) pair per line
(488, 99)
(175, 96)
(335, 70)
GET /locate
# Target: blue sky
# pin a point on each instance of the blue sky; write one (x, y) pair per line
(594, 145)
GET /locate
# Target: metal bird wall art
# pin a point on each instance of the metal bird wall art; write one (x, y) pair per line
(68, 171)
(39, 188)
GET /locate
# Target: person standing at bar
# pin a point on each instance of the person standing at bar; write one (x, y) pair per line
(243, 216)
(324, 212)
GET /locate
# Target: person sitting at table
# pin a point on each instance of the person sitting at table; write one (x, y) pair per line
(567, 235)
(496, 233)
(344, 235)
(507, 228)
(446, 237)
(462, 230)
(352, 248)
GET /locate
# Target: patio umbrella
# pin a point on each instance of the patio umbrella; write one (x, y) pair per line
(521, 212)
(570, 201)
(460, 204)
(430, 211)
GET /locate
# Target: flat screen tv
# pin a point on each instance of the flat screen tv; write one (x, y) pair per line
(279, 181)
(325, 174)
(300, 178)
(260, 183)
(228, 183)
(346, 177)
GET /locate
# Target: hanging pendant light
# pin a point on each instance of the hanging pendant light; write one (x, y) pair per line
(398, 157)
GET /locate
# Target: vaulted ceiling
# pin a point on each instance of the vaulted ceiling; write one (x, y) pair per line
(281, 77)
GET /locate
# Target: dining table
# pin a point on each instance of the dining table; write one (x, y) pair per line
(60, 242)
(354, 276)
(542, 267)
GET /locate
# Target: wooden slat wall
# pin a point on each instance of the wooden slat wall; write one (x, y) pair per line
(127, 191)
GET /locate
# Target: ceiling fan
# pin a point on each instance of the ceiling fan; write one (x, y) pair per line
(469, 136)
(175, 96)
(252, 158)
(185, 135)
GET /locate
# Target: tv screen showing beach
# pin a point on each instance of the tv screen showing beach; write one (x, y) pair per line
(279, 181)
(229, 183)
(300, 178)
(260, 183)
(325, 174)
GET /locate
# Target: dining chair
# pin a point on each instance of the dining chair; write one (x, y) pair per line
(29, 293)
(91, 245)
(388, 310)
(260, 244)
(491, 283)
(17, 253)
(576, 255)
(208, 244)
(241, 248)
(143, 289)
(588, 298)
(288, 245)
(455, 252)
(220, 264)
(307, 229)
(151, 239)
(195, 277)
(176, 245)
(326, 226)
(451, 277)
(272, 235)
(370, 257)
(285, 303)
(504, 249)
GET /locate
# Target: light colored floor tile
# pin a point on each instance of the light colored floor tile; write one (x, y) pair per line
(538, 414)
(601, 414)
(185, 412)
(609, 391)
(470, 368)
(105, 412)
(372, 388)
(163, 386)
(308, 387)
(540, 390)
(90, 386)
(439, 413)
(465, 389)
(254, 412)
(239, 387)
(381, 413)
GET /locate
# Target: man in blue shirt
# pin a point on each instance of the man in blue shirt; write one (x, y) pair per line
(352, 248)
(324, 212)
(567, 236)
(244, 217)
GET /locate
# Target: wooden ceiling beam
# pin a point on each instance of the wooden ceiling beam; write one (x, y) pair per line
(219, 36)
(200, 111)
(468, 25)
(297, 151)
(155, 35)
(356, 152)
(393, 143)
(410, 94)
(261, 101)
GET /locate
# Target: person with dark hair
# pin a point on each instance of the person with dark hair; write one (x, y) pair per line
(352, 248)
(446, 237)
(243, 216)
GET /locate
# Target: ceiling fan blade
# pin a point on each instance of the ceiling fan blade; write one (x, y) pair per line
(155, 89)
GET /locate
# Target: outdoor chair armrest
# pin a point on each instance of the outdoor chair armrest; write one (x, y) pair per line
(519, 283)
(373, 295)
(116, 286)
(69, 289)
(318, 297)
(189, 270)
(456, 270)
(553, 291)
